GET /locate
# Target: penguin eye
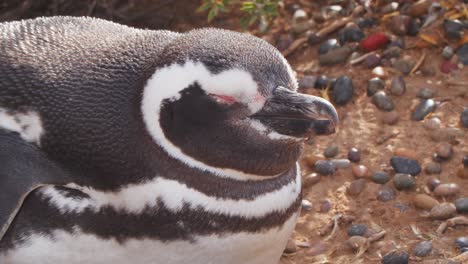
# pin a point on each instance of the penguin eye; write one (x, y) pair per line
(225, 99)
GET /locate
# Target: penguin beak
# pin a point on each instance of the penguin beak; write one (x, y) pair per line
(299, 115)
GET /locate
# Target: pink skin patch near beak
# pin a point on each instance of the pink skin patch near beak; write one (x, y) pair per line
(224, 98)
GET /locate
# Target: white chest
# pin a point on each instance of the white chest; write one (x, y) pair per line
(63, 247)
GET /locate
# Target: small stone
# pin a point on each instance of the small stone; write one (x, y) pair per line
(403, 181)
(306, 205)
(328, 45)
(398, 86)
(433, 168)
(341, 163)
(447, 134)
(350, 34)
(444, 151)
(462, 242)
(356, 187)
(383, 102)
(432, 183)
(360, 171)
(400, 24)
(425, 93)
(354, 155)
(357, 230)
(325, 167)
(447, 67)
(331, 151)
(386, 194)
(323, 82)
(335, 56)
(432, 123)
(397, 257)
(465, 161)
(462, 53)
(307, 82)
(379, 71)
(423, 109)
(284, 41)
(310, 160)
(392, 52)
(310, 179)
(290, 247)
(424, 201)
(443, 211)
(390, 118)
(447, 52)
(404, 152)
(453, 28)
(462, 172)
(300, 15)
(462, 205)
(342, 90)
(374, 42)
(389, 8)
(366, 22)
(374, 85)
(317, 249)
(420, 8)
(447, 189)
(405, 165)
(380, 177)
(423, 249)
(372, 61)
(414, 27)
(464, 117)
(325, 205)
(356, 242)
(403, 65)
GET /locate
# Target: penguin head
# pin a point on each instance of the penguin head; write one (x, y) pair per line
(226, 102)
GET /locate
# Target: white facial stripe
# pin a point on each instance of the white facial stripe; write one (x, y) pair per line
(257, 125)
(168, 82)
(79, 247)
(28, 124)
(135, 198)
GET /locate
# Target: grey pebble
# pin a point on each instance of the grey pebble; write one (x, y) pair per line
(423, 109)
(341, 163)
(462, 53)
(383, 102)
(380, 177)
(453, 28)
(464, 117)
(372, 61)
(306, 205)
(433, 168)
(423, 249)
(354, 155)
(462, 205)
(447, 52)
(386, 194)
(403, 181)
(403, 65)
(397, 257)
(307, 82)
(392, 52)
(443, 211)
(328, 45)
(335, 56)
(405, 165)
(342, 90)
(356, 187)
(331, 151)
(325, 167)
(462, 242)
(357, 230)
(398, 86)
(425, 93)
(374, 85)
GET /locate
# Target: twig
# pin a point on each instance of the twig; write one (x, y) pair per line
(361, 58)
(418, 64)
(296, 44)
(335, 226)
(458, 220)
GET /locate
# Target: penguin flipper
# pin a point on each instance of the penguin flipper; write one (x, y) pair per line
(23, 168)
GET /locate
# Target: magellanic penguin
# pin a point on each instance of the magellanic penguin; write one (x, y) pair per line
(121, 145)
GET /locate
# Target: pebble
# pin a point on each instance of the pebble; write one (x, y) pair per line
(374, 42)
(357, 230)
(390, 118)
(448, 134)
(432, 183)
(325, 167)
(443, 211)
(423, 109)
(403, 181)
(419, 8)
(299, 16)
(447, 189)
(462, 53)
(389, 8)
(306, 205)
(424, 201)
(383, 102)
(447, 52)
(392, 52)
(403, 65)
(354, 155)
(465, 161)
(425, 93)
(317, 249)
(397, 257)
(323, 82)
(335, 56)
(331, 151)
(453, 28)
(433, 168)
(328, 45)
(350, 34)
(423, 249)
(307, 82)
(405, 165)
(386, 194)
(462, 242)
(360, 171)
(464, 117)
(462, 205)
(414, 27)
(462, 172)
(380, 71)
(400, 24)
(310, 179)
(398, 86)
(290, 247)
(342, 90)
(444, 150)
(380, 177)
(404, 152)
(432, 123)
(374, 85)
(356, 242)
(284, 41)
(372, 61)
(325, 205)
(366, 22)
(310, 160)
(447, 66)
(341, 163)
(356, 187)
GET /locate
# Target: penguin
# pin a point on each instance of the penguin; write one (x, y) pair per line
(123, 145)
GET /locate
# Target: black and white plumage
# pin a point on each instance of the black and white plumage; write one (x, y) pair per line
(127, 145)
